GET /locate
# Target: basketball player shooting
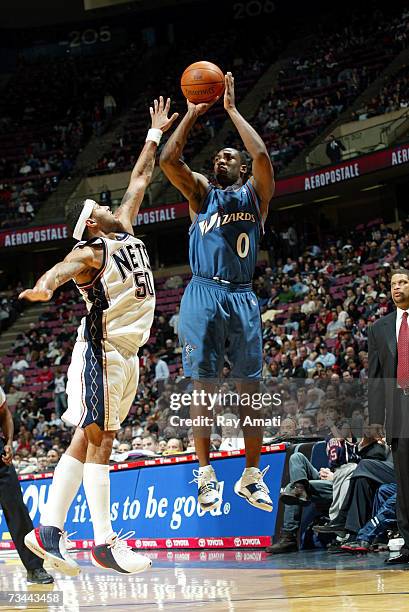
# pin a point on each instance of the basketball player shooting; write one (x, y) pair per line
(111, 269)
(219, 308)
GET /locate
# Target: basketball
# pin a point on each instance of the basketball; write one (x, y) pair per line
(202, 82)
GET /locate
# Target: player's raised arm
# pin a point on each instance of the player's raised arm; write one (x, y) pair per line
(191, 184)
(263, 172)
(79, 265)
(142, 172)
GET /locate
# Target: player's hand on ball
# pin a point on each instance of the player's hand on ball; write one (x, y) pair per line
(229, 103)
(201, 108)
(159, 114)
(36, 295)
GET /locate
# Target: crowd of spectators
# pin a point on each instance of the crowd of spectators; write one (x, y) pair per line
(46, 120)
(10, 307)
(394, 96)
(321, 84)
(316, 308)
(247, 57)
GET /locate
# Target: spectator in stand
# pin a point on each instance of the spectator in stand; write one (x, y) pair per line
(174, 321)
(334, 149)
(45, 377)
(161, 373)
(334, 326)
(150, 445)
(19, 363)
(174, 446)
(60, 396)
(17, 379)
(325, 357)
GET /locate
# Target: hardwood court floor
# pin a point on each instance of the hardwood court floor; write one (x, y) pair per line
(218, 581)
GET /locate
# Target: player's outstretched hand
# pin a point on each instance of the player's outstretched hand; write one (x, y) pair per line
(36, 295)
(159, 114)
(229, 102)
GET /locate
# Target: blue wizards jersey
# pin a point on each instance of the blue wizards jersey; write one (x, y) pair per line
(224, 237)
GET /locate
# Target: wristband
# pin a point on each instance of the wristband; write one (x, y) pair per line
(154, 134)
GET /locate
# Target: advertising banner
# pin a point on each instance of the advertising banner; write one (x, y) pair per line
(159, 504)
(33, 235)
(343, 172)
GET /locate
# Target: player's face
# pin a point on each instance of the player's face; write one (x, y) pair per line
(107, 222)
(228, 167)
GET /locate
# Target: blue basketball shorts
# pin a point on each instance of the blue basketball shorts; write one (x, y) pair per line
(217, 320)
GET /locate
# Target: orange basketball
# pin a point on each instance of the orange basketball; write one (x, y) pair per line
(202, 82)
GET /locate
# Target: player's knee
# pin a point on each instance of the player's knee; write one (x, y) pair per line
(78, 446)
(101, 453)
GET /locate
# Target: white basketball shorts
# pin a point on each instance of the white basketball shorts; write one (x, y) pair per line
(101, 385)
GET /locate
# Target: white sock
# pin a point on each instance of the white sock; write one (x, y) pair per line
(204, 468)
(66, 482)
(250, 470)
(97, 490)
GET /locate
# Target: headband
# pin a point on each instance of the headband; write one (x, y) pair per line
(85, 214)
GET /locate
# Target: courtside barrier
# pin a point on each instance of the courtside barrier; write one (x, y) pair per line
(157, 500)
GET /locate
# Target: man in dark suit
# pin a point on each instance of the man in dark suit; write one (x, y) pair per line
(11, 501)
(388, 393)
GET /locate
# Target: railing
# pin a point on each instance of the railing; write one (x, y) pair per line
(361, 141)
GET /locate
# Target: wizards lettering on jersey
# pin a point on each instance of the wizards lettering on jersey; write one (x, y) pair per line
(217, 220)
(131, 258)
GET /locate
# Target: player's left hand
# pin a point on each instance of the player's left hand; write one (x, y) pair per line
(8, 455)
(159, 114)
(229, 103)
(36, 295)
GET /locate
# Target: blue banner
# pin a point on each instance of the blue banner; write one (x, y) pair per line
(161, 502)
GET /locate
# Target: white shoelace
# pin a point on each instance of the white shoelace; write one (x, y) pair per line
(120, 542)
(206, 487)
(66, 538)
(259, 478)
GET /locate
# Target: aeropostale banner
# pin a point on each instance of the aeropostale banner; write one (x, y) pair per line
(343, 172)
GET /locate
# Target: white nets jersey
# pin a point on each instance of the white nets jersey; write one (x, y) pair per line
(121, 298)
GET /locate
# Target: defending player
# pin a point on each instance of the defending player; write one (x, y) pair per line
(219, 306)
(111, 269)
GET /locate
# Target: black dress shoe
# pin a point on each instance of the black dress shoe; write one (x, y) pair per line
(295, 494)
(39, 576)
(399, 559)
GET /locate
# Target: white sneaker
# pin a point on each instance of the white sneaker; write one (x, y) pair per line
(50, 544)
(209, 495)
(115, 554)
(252, 487)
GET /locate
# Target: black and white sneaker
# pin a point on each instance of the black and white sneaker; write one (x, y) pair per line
(116, 555)
(208, 489)
(252, 488)
(50, 544)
